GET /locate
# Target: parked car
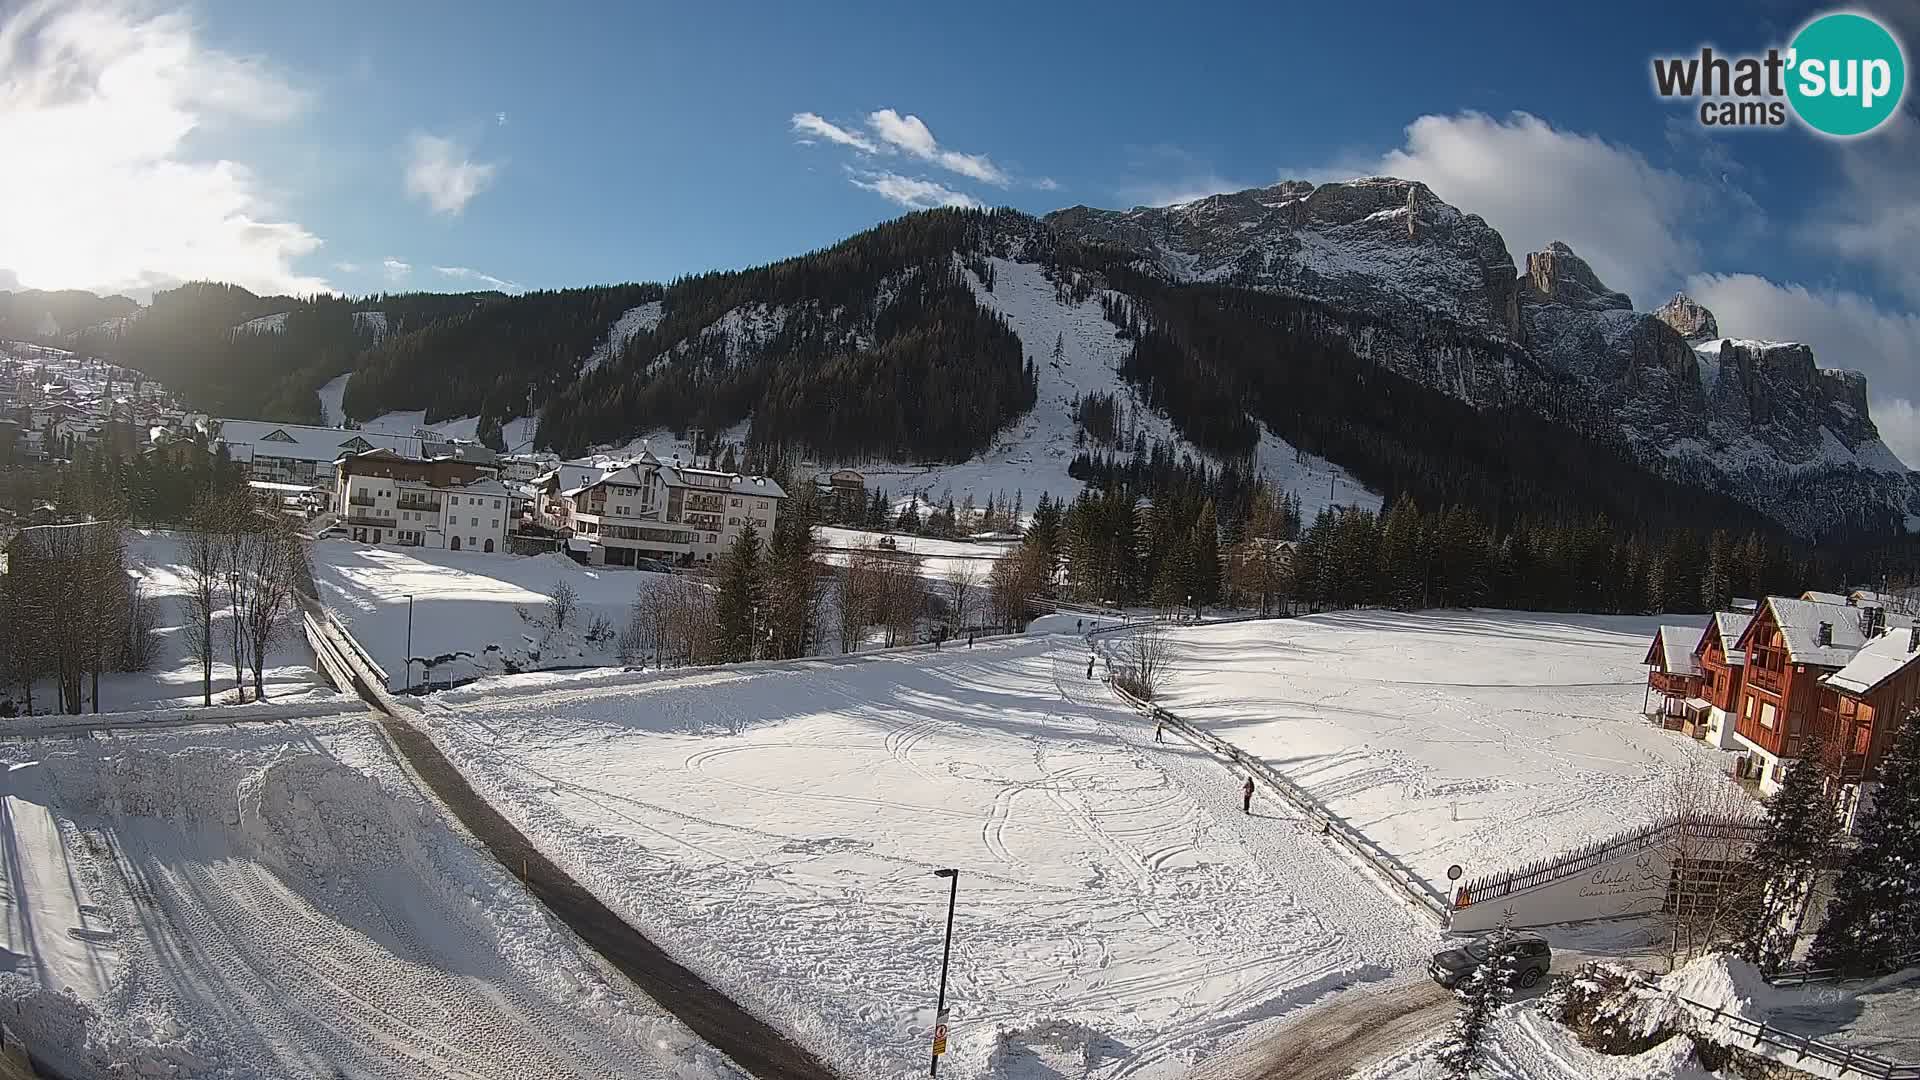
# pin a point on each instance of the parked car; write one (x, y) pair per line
(652, 566)
(1532, 959)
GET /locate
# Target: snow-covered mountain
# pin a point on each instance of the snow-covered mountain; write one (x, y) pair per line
(1760, 421)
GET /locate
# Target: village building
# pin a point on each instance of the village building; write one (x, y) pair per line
(384, 497)
(1861, 705)
(647, 509)
(1673, 673)
(1723, 666)
(305, 454)
(1791, 645)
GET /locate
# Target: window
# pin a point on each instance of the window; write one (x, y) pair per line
(1779, 772)
(735, 502)
(496, 504)
(496, 523)
(760, 504)
(471, 541)
(474, 521)
(1767, 716)
(733, 520)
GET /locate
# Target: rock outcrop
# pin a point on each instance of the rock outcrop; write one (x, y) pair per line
(1685, 315)
(1558, 276)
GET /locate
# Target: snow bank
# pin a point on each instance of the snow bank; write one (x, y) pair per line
(1727, 983)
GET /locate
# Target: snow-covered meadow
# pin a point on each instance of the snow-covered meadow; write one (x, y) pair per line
(776, 827)
(467, 608)
(278, 902)
(1484, 738)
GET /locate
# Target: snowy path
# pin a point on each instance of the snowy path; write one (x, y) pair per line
(776, 830)
(277, 911)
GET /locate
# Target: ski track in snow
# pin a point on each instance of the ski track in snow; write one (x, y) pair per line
(776, 829)
(285, 904)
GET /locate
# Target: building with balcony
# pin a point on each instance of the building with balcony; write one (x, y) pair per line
(305, 454)
(1672, 673)
(385, 498)
(1791, 646)
(649, 509)
(1723, 667)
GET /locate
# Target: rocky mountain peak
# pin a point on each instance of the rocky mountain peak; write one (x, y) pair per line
(1558, 276)
(1684, 314)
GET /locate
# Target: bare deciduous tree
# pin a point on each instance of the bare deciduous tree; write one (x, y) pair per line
(274, 558)
(1712, 890)
(562, 604)
(963, 580)
(1143, 661)
(201, 605)
(1013, 583)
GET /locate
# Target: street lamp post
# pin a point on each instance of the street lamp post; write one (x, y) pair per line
(940, 1010)
(409, 642)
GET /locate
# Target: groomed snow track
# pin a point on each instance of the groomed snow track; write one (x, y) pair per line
(750, 1042)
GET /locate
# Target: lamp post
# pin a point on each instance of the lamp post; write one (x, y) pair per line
(409, 656)
(940, 1010)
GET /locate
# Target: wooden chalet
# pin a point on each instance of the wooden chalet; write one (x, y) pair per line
(1672, 673)
(1723, 665)
(1863, 704)
(1790, 646)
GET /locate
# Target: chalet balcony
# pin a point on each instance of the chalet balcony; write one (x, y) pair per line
(1766, 678)
(368, 520)
(1674, 683)
(431, 506)
(712, 504)
(360, 500)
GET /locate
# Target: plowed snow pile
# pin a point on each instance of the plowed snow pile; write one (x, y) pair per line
(776, 826)
(282, 903)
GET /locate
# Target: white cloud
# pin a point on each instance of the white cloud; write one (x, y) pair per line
(347, 267)
(1846, 330)
(911, 136)
(442, 172)
(1874, 218)
(1047, 183)
(910, 192)
(110, 197)
(1630, 219)
(813, 125)
(464, 273)
(394, 269)
(1175, 192)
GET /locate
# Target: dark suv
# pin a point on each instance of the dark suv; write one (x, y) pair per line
(1532, 959)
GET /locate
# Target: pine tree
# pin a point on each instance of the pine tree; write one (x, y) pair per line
(1716, 585)
(734, 608)
(1465, 1052)
(1801, 827)
(1875, 912)
(1205, 548)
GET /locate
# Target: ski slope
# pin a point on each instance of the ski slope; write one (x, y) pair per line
(517, 433)
(282, 903)
(1032, 455)
(1484, 738)
(775, 827)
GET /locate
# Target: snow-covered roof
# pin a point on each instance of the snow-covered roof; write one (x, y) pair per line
(482, 487)
(1799, 622)
(301, 442)
(713, 479)
(1730, 625)
(1673, 649)
(1879, 660)
(1818, 597)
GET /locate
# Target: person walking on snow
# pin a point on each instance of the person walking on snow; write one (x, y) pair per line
(1246, 796)
(1089, 665)
(1159, 729)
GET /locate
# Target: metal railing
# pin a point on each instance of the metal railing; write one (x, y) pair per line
(1402, 881)
(1801, 974)
(1849, 1061)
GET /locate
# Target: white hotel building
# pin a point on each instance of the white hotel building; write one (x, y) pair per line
(649, 509)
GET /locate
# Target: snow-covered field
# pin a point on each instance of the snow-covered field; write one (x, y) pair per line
(776, 828)
(275, 902)
(466, 611)
(938, 558)
(1484, 738)
(174, 680)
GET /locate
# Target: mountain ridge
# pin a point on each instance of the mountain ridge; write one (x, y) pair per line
(840, 351)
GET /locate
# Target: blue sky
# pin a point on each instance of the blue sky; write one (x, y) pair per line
(306, 146)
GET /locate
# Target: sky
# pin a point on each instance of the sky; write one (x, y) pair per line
(362, 147)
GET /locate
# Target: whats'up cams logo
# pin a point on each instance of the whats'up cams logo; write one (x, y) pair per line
(1844, 75)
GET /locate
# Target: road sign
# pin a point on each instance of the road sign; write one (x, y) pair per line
(1454, 872)
(940, 1034)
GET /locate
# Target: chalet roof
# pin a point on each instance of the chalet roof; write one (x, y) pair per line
(1672, 649)
(1879, 660)
(715, 480)
(1818, 597)
(1730, 625)
(1799, 622)
(482, 487)
(302, 442)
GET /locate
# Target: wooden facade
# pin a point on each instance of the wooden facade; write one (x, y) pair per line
(1721, 678)
(1671, 672)
(1857, 725)
(1779, 696)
